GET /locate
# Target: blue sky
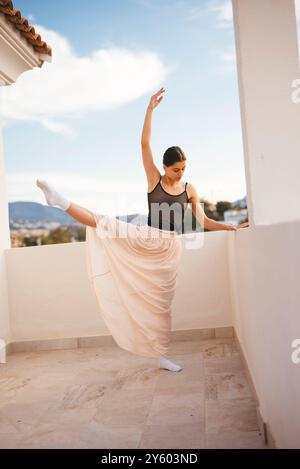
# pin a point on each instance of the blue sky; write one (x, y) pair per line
(80, 119)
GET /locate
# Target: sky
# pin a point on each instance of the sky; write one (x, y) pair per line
(77, 121)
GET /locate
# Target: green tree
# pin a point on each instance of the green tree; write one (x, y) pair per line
(58, 235)
(81, 234)
(222, 206)
(29, 241)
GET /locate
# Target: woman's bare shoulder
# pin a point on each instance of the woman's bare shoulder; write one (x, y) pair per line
(191, 192)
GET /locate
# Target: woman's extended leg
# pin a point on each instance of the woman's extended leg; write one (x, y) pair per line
(81, 214)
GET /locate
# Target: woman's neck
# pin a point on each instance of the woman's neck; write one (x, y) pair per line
(169, 182)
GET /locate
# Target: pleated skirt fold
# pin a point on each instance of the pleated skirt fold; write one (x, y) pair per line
(133, 271)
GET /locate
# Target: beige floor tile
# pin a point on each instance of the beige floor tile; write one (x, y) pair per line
(182, 347)
(224, 332)
(193, 387)
(9, 441)
(227, 386)
(235, 440)
(181, 380)
(229, 364)
(22, 416)
(80, 396)
(50, 436)
(67, 419)
(173, 436)
(98, 435)
(221, 349)
(7, 427)
(106, 397)
(122, 412)
(228, 415)
(139, 377)
(12, 385)
(171, 408)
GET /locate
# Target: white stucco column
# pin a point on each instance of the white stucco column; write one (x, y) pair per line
(268, 64)
(4, 244)
(17, 55)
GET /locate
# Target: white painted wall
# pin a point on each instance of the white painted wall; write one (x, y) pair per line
(202, 298)
(268, 63)
(50, 295)
(265, 272)
(264, 262)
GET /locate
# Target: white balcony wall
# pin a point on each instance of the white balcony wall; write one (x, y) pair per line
(265, 273)
(264, 261)
(50, 295)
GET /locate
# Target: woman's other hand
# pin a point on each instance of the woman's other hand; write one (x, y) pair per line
(242, 225)
(237, 227)
(156, 99)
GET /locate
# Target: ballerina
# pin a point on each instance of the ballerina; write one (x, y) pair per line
(134, 276)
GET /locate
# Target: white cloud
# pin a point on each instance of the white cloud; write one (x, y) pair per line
(223, 12)
(30, 18)
(159, 5)
(297, 3)
(229, 56)
(195, 13)
(73, 85)
(225, 61)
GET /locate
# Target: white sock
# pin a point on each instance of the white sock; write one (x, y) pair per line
(52, 196)
(168, 365)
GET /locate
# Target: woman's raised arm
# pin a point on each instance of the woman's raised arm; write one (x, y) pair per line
(151, 170)
(154, 101)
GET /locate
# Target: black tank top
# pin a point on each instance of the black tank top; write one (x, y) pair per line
(166, 211)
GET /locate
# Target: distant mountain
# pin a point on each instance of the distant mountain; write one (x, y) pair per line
(240, 202)
(33, 212)
(135, 218)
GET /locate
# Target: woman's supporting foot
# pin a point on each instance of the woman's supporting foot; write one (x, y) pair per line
(52, 196)
(168, 365)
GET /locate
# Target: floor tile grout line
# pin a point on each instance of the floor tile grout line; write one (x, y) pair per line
(149, 408)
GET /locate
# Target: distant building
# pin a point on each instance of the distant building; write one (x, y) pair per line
(234, 217)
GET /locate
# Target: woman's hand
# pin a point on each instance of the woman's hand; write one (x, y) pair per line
(235, 228)
(156, 99)
(242, 225)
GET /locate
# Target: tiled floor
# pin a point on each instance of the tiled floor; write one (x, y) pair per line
(106, 397)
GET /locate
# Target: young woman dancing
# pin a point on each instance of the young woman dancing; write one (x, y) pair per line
(134, 276)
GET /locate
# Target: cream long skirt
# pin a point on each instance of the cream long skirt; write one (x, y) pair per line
(133, 272)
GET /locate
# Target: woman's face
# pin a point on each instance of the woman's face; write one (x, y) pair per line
(176, 171)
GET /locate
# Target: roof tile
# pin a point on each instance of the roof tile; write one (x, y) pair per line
(22, 25)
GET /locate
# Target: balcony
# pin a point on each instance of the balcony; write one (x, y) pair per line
(236, 323)
(231, 306)
(104, 397)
